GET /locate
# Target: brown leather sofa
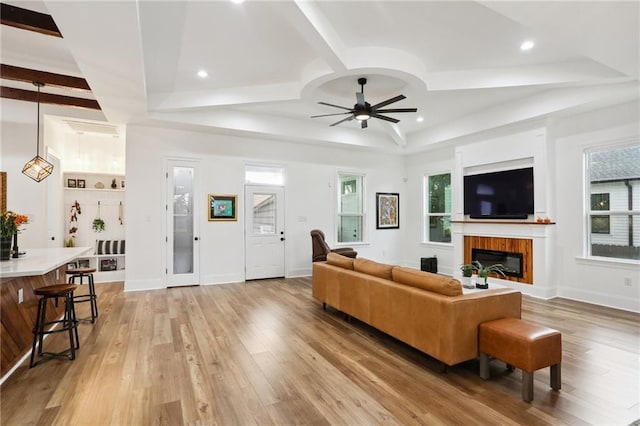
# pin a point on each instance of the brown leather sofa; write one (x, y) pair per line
(427, 311)
(320, 248)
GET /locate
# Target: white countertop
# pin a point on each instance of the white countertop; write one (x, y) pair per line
(40, 261)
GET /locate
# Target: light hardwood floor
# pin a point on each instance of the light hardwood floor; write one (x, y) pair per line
(265, 352)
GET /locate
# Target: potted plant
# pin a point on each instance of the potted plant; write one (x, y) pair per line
(467, 270)
(484, 271)
(98, 225)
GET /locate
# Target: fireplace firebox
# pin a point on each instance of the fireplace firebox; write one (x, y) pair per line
(512, 262)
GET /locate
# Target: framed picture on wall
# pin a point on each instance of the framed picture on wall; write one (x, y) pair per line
(81, 183)
(71, 183)
(222, 207)
(387, 210)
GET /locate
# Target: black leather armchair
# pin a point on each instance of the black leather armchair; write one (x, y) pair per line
(321, 249)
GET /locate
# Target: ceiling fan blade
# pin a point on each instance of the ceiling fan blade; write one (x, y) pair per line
(385, 118)
(328, 115)
(335, 106)
(398, 110)
(389, 101)
(342, 121)
(363, 124)
(360, 98)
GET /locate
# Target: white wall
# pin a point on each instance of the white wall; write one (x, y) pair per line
(608, 283)
(417, 166)
(310, 199)
(615, 284)
(17, 146)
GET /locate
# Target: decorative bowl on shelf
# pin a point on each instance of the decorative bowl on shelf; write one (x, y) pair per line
(99, 185)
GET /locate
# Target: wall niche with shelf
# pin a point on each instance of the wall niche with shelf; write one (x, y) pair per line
(106, 203)
(94, 181)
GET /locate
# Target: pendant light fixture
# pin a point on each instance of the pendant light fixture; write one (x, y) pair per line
(38, 168)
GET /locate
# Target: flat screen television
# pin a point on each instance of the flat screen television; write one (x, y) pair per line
(499, 195)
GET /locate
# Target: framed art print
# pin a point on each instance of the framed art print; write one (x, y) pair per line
(222, 207)
(387, 210)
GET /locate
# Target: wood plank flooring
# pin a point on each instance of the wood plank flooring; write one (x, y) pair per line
(265, 353)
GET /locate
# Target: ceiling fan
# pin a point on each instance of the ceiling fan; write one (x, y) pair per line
(362, 110)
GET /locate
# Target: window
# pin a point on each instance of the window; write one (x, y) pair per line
(263, 175)
(438, 208)
(614, 202)
(350, 207)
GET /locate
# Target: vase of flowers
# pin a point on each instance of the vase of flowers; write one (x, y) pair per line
(10, 223)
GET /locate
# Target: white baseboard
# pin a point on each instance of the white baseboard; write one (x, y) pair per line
(601, 299)
(214, 279)
(293, 273)
(142, 285)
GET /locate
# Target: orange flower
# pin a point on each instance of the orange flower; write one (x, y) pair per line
(10, 222)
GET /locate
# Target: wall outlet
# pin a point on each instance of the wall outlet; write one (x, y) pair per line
(20, 296)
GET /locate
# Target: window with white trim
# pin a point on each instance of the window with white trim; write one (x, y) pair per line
(437, 208)
(613, 201)
(351, 215)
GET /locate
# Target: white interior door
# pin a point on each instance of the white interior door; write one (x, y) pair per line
(55, 205)
(182, 207)
(264, 232)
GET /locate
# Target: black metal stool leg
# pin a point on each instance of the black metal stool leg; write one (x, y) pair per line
(36, 333)
(94, 299)
(68, 313)
(42, 323)
(75, 322)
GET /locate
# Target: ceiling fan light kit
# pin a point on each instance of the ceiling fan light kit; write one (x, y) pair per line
(363, 111)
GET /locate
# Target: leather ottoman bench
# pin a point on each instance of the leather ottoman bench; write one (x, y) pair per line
(523, 345)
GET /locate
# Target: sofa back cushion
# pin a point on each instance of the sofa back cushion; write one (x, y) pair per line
(336, 259)
(440, 284)
(370, 267)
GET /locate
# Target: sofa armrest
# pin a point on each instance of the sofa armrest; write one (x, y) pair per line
(463, 314)
(345, 251)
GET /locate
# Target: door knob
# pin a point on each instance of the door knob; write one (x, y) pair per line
(282, 239)
(196, 238)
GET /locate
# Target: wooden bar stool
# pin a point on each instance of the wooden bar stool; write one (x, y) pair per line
(91, 297)
(69, 321)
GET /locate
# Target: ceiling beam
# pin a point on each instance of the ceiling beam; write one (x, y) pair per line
(11, 72)
(47, 98)
(28, 20)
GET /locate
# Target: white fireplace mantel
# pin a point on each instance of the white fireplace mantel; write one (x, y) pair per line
(542, 236)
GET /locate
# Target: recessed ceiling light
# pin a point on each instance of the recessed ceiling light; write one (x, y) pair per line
(237, 1)
(527, 45)
(203, 74)
(420, 119)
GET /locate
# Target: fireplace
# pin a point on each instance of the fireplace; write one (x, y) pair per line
(512, 262)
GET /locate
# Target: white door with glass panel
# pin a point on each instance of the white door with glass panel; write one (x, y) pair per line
(264, 232)
(55, 230)
(183, 208)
